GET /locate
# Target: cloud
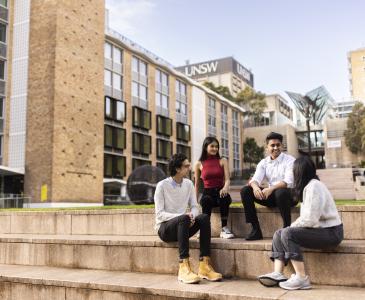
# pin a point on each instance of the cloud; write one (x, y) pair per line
(126, 15)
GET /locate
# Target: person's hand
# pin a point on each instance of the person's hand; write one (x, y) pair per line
(258, 193)
(223, 192)
(192, 219)
(267, 192)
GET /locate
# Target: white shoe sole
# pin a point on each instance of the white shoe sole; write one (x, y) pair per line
(292, 289)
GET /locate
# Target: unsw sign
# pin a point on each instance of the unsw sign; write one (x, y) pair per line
(219, 66)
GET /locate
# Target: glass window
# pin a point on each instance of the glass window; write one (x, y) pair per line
(120, 166)
(120, 111)
(141, 143)
(142, 68)
(2, 33)
(158, 76)
(108, 165)
(164, 102)
(117, 55)
(139, 162)
(183, 149)
(164, 79)
(120, 138)
(108, 108)
(183, 132)
(163, 167)
(4, 3)
(135, 64)
(107, 78)
(134, 89)
(164, 126)
(141, 118)
(117, 82)
(108, 136)
(108, 50)
(142, 92)
(164, 149)
(158, 99)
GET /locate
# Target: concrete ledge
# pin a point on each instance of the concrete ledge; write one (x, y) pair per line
(344, 265)
(34, 283)
(141, 222)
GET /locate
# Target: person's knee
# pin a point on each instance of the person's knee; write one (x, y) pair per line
(246, 193)
(203, 218)
(205, 201)
(286, 234)
(277, 235)
(184, 219)
(282, 195)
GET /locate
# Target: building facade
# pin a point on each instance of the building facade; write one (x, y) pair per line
(225, 72)
(356, 64)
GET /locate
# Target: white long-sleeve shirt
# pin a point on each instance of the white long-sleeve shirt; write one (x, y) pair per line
(275, 170)
(318, 208)
(173, 199)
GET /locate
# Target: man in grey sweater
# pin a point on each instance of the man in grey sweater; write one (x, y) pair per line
(174, 223)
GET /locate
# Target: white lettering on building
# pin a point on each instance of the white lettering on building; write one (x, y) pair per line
(202, 69)
(243, 72)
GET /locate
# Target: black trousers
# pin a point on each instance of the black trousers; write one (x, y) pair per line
(280, 198)
(179, 230)
(211, 198)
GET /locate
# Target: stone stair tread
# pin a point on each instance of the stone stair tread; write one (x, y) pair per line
(347, 246)
(163, 285)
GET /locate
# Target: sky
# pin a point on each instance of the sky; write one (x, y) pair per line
(289, 45)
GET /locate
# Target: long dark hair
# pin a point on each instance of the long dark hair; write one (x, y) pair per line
(207, 141)
(304, 171)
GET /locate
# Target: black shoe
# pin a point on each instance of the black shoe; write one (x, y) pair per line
(255, 234)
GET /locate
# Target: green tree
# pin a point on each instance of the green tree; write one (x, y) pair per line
(221, 90)
(252, 153)
(254, 102)
(355, 133)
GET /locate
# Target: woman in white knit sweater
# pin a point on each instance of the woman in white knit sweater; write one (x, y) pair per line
(318, 227)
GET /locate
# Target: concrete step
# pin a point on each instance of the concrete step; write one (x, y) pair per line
(35, 283)
(344, 265)
(141, 222)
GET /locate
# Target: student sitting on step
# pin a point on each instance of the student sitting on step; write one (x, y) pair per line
(214, 172)
(277, 169)
(174, 223)
(318, 227)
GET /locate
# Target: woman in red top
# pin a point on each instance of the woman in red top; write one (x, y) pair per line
(214, 172)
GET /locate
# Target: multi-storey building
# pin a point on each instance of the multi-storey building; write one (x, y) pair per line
(356, 64)
(224, 71)
(82, 104)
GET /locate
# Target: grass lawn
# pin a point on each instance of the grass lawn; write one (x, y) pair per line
(339, 202)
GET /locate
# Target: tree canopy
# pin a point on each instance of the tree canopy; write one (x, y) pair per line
(252, 153)
(355, 133)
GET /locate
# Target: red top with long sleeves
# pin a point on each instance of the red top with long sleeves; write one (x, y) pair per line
(212, 173)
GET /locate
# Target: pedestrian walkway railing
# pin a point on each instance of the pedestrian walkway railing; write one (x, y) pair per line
(14, 201)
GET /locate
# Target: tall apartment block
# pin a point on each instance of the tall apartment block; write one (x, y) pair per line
(356, 64)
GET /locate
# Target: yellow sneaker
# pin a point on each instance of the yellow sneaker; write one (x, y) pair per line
(186, 275)
(206, 270)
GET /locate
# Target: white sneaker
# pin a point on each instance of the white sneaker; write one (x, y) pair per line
(271, 279)
(295, 282)
(226, 233)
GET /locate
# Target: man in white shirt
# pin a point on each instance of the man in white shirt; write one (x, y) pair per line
(277, 169)
(175, 223)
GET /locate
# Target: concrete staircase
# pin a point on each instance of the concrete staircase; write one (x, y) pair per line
(339, 182)
(115, 254)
